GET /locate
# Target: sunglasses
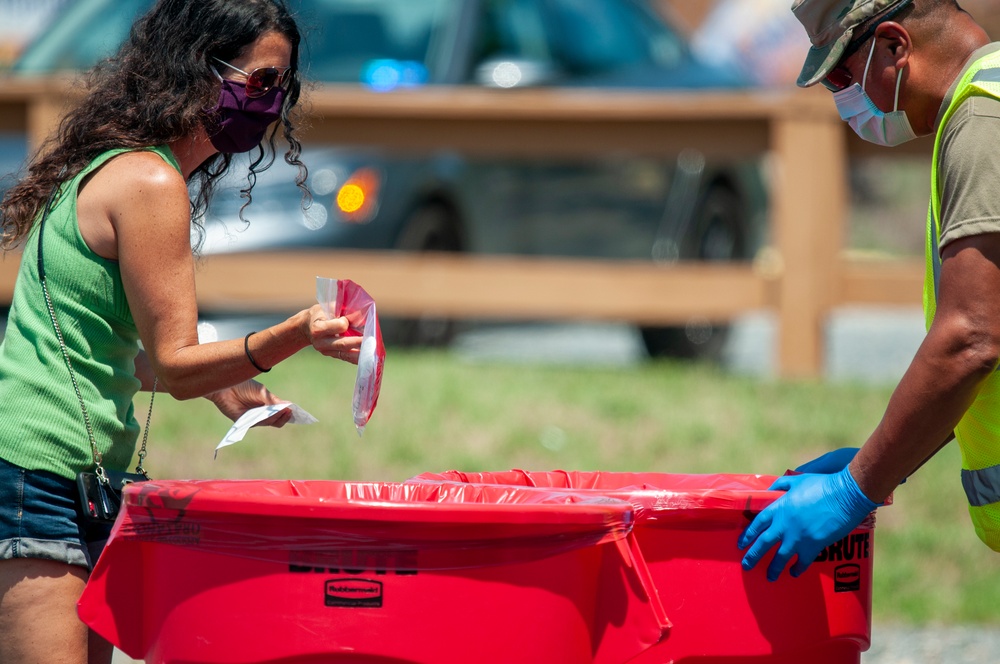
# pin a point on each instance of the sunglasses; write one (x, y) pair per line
(260, 80)
(840, 77)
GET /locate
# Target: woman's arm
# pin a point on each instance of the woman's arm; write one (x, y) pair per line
(147, 204)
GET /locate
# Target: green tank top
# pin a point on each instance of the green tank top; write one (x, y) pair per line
(41, 424)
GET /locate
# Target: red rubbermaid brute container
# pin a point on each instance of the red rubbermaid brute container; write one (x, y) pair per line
(687, 527)
(321, 571)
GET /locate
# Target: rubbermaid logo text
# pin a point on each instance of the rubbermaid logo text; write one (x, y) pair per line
(847, 578)
(354, 593)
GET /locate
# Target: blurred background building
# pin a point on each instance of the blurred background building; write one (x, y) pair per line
(762, 37)
(758, 36)
(694, 12)
(20, 20)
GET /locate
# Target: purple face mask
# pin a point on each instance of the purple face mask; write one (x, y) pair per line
(238, 123)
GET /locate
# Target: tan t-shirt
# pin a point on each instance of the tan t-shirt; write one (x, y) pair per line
(969, 163)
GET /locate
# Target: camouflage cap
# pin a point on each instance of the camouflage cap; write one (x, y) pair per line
(830, 25)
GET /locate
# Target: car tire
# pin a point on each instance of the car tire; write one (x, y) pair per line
(430, 228)
(718, 232)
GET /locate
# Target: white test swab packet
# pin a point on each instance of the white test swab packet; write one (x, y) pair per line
(255, 415)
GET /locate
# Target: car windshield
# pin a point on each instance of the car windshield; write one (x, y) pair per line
(351, 41)
(580, 38)
(596, 35)
(344, 41)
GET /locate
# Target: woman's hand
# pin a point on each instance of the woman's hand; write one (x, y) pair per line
(333, 337)
(238, 399)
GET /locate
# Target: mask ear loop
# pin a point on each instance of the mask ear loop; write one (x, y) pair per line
(899, 81)
(899, 77)
(864, 80)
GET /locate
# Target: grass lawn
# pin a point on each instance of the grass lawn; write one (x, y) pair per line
(437, 412)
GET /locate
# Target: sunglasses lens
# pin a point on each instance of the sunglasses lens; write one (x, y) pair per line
(262, 80)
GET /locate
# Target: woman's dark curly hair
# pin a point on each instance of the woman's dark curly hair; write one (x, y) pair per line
(158, 88)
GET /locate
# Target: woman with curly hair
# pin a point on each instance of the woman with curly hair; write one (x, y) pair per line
(104, 218)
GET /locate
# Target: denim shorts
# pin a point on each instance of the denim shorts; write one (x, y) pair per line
(40, 517)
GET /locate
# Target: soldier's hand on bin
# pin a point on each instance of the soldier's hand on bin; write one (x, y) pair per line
(831, 462)
(817, 509)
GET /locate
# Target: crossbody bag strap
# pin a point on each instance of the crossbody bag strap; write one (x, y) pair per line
(98, 457)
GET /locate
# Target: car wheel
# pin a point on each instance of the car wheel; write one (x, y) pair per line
(718, 233)
(431, 228)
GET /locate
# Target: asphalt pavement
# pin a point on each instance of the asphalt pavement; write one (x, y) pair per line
(862, 344)
(933, 645)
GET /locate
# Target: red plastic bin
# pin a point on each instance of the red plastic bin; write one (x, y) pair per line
(323, 571)
(687, 527)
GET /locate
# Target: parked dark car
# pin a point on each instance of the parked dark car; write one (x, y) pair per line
(614, 206)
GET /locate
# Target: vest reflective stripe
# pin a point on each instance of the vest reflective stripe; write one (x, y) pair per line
(978, 432)
(982, 486)
(987, 76)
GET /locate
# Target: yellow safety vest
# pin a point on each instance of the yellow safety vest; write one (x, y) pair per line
(978, 432)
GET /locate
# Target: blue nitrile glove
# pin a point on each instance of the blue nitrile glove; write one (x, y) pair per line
(831, 462)
(815, 511)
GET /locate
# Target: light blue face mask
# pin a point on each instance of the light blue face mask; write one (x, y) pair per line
(865, 118)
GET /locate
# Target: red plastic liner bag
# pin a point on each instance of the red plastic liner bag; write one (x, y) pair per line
(324, 571)
(686, 527)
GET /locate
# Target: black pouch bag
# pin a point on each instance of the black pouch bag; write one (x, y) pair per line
(100, 500)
